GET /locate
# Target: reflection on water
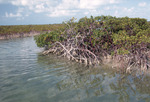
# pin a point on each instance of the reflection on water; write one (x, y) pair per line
(85, 84)
(27, 76)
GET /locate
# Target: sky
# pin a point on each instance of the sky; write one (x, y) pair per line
(25, 12)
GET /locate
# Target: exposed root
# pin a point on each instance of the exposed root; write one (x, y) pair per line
(74, 52)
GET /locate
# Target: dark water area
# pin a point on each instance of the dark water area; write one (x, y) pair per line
(27, 76)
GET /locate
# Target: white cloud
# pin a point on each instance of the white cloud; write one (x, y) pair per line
(89, 4)
(107, 8)
(93, 4)
(68, 4)
(19, 14)
(113, 1)
(34, 5)
(61, 7)
(124, 11)
(142, 4)
(39, 8)
(21, 2)
(59, 13)
(95, 12)
(71, 7)
(13, 15)
(129, 10)
(65, 8)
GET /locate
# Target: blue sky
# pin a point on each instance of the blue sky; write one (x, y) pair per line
(20, 12)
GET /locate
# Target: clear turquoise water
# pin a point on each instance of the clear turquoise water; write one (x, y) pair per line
(27, 76)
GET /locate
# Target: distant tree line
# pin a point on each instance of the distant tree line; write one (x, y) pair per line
(14, 29)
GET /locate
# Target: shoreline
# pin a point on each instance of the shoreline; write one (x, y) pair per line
(19, 35)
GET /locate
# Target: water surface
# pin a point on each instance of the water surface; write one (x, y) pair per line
(27, 76)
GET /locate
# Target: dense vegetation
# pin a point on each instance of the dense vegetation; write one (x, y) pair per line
(15, 29)
(126, 40)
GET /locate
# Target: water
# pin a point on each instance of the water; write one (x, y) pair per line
(27, 76)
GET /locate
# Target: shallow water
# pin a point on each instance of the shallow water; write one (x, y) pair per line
(27, 76)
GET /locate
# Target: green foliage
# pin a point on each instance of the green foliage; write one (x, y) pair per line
(114, 35)
(48, 38)
(5, 30)
(131, 34)
(122, 51)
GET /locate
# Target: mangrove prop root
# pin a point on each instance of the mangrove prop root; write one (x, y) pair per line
(73, 51)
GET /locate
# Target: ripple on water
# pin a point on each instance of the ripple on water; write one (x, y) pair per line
(27, 76)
